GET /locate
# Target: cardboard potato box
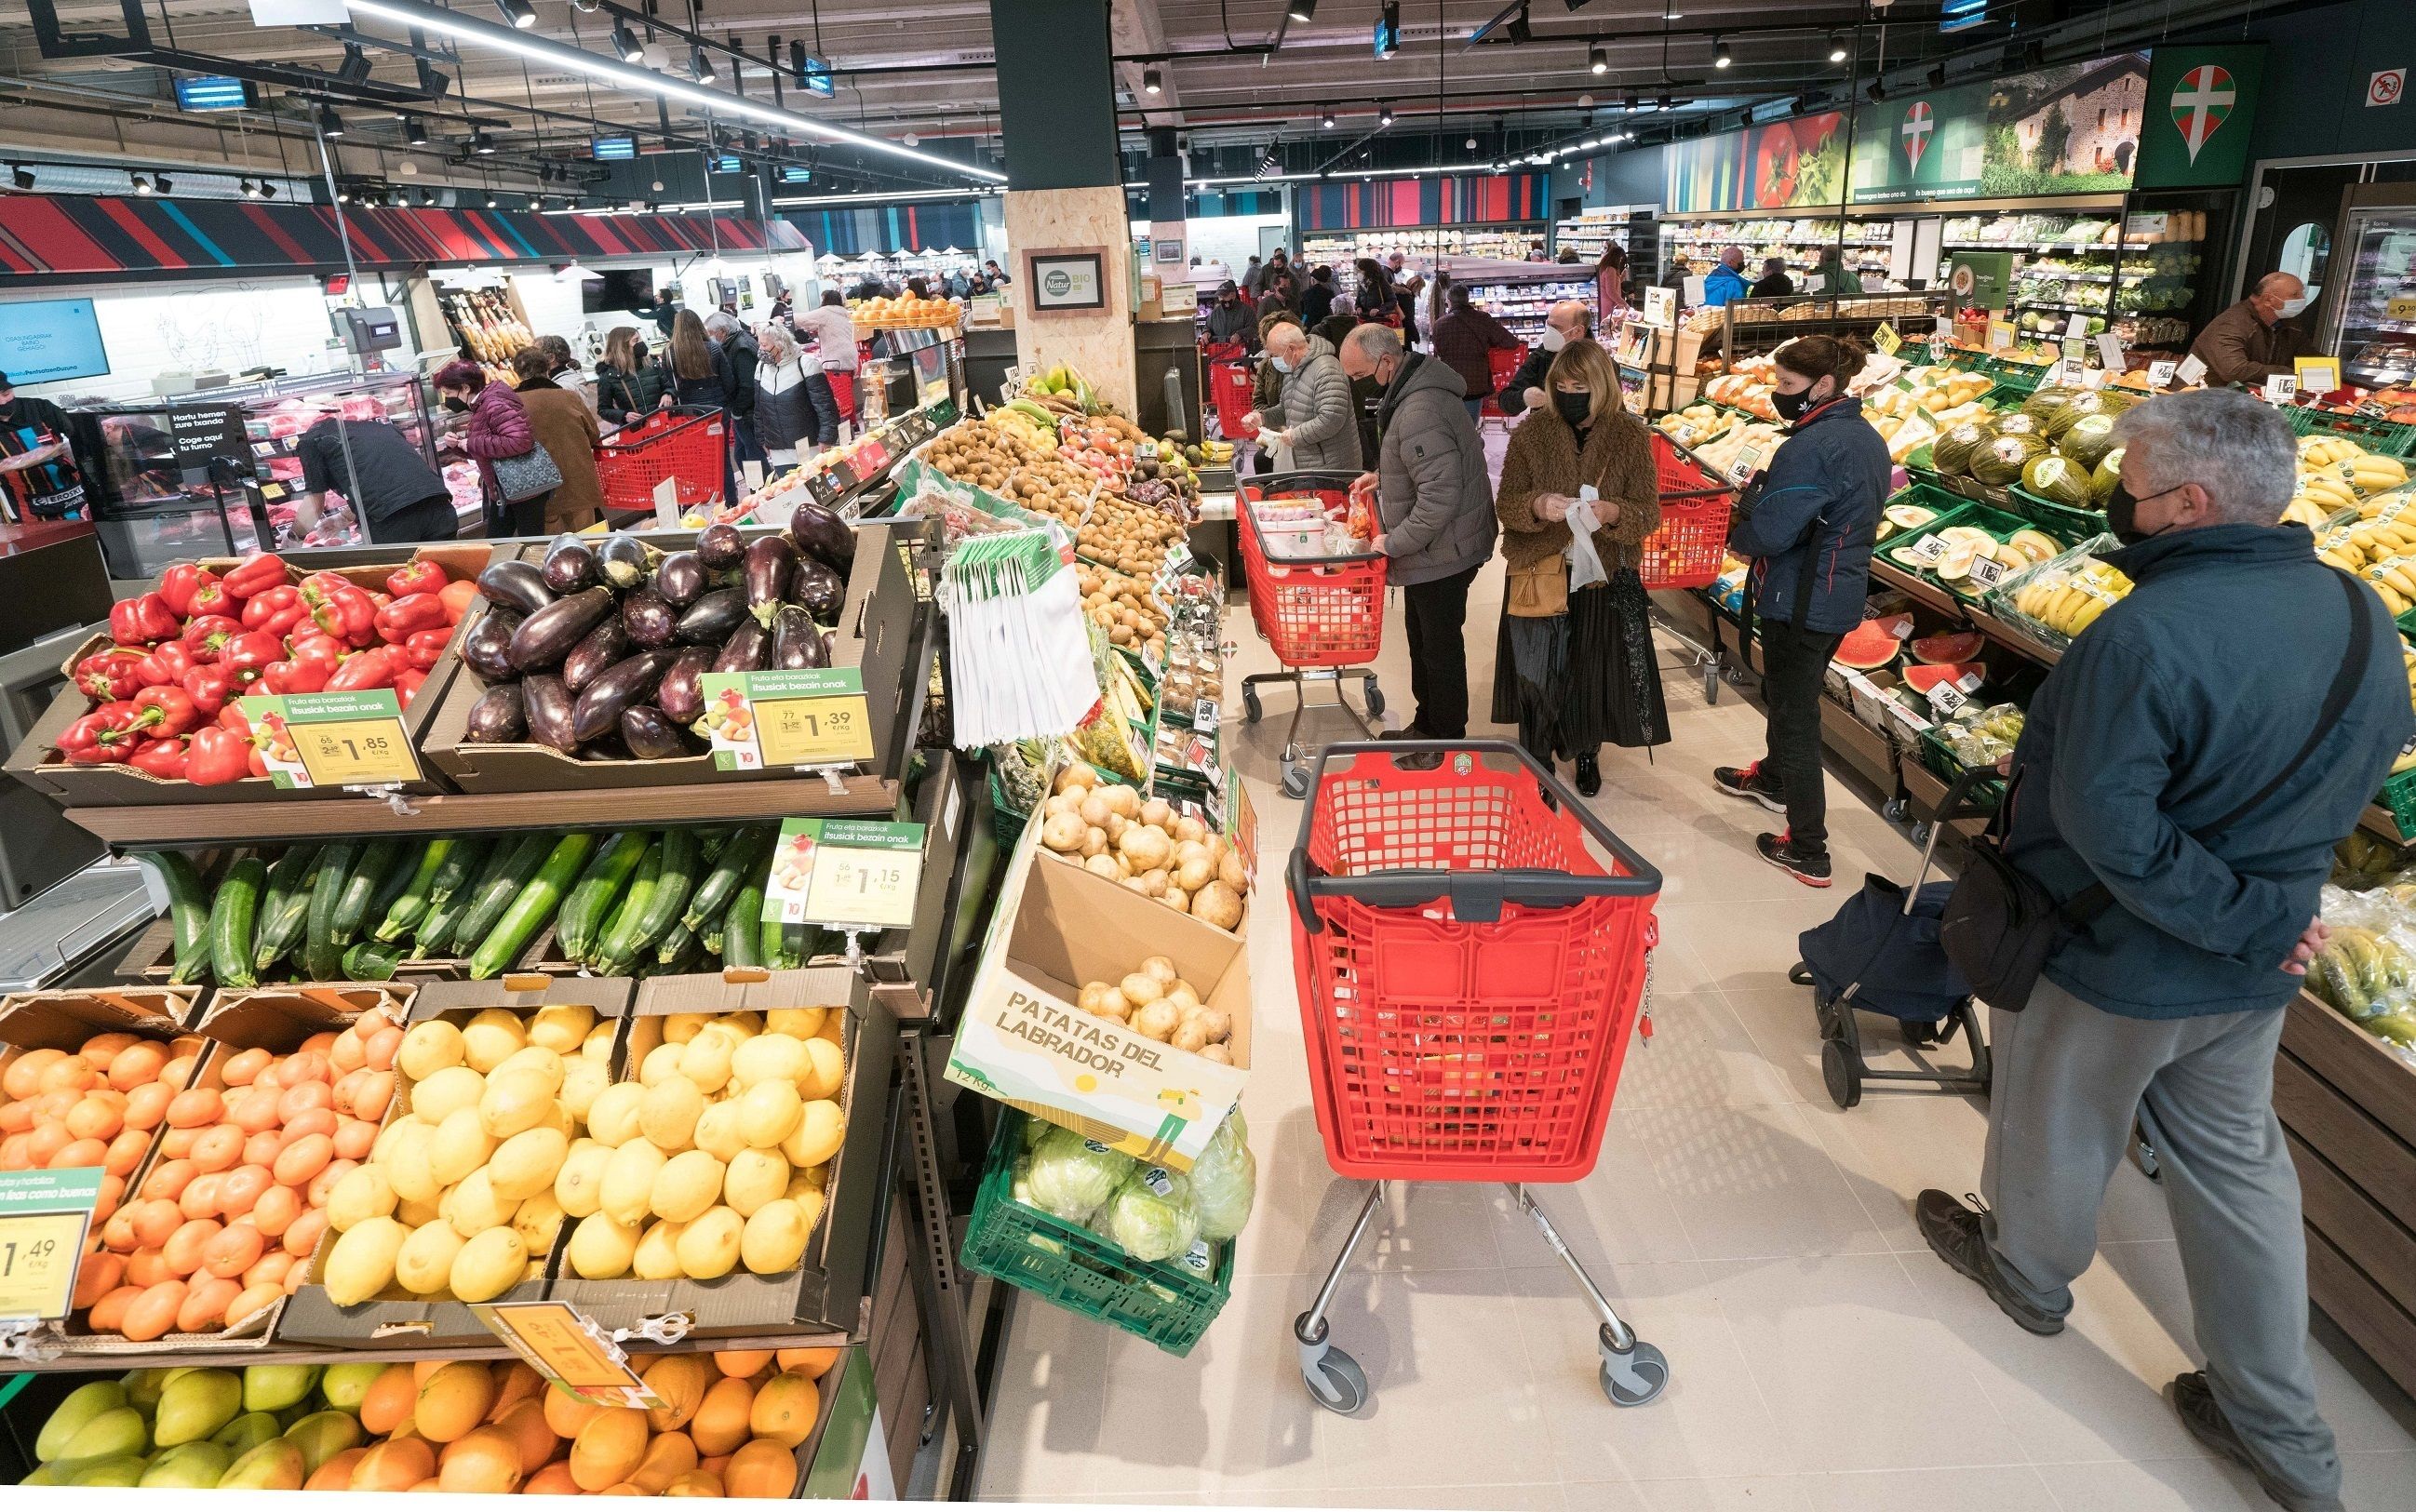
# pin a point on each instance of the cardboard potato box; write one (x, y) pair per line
(396, 1319)
(828, 1290)
(1025, 1042)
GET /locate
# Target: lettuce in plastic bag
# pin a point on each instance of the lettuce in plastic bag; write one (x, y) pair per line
(1070, 1176)
(1151, 1215)
(1225, 1181)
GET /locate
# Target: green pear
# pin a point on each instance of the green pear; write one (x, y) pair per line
(118, 1470)
(344, 1385)
(108, 1435)
(247, 1433)
(190, 1466)
(51, 1473)
(324, 1435)
(273, 1466)
(272, 1388)
(143, 1389)
(198, 1403)
(82, 1405)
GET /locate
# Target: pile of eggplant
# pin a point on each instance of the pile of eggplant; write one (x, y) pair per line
(599, 651)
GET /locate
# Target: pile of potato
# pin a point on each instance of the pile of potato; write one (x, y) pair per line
(1155, 1002)
(1124, 607)
(983, 452)
(1146, 845)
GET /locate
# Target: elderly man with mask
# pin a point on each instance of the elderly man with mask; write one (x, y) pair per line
(1726, 284)
(1312, 415)
(1568, 321)
(2244, 344)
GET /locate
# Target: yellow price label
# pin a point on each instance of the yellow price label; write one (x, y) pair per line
(1886, 339)
(354, 751)
(814, 731)
(566, 1347)
(2400, 307)
(873, 888)
(39, 1253)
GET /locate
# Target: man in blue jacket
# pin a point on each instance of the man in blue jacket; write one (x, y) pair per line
(1726, 282)
(2180, 757)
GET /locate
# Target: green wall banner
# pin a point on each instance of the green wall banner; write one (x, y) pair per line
(1980, 279)
(1929, 147)
(2201, 112)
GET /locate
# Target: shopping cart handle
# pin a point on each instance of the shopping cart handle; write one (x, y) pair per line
(1957, 803)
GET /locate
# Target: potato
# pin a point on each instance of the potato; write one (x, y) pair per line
(1217, 1053)
(1141, 989)
(1091, 997)
(1183, 995)
(1195, 871)
(1177, 897)
(1189, 1036)
(1231, 872)
(1153, 882)
(1163, 968)
(1157, 812)
(1219, 905)
(1105, 866)
(1157, 1020)
(1063, 832)
(1095, 841)
(1148, 847)
(1072, 777)
(1095, 810)
(1215, 1023)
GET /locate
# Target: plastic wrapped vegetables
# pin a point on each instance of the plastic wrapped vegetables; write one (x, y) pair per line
(1152, 1217)
(1070, 1176)
(1225, 1181)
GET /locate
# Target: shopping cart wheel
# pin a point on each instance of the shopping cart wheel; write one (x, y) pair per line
(1250, 709)
(1635, 1377)
(1295, 781)
(1839, 1073)
(1375, 700)
(1333, 1378)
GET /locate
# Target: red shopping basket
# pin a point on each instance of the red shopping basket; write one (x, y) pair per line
(682, 448)
(1314, 612)
(1230, 383)
(1501, 365)
(1687, 551)
(1468, 970)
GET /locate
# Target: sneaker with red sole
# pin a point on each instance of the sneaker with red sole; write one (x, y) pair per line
(1748, 783)
(1780, 852)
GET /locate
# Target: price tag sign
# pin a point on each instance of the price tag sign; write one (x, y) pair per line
(812, 716)
(824, 489)
(2190, 370)
(845, 874)
(2160, 374)
(2109, 352)
(1660, 307)
(2317, 375)
(1886, 339)
(2400, 307)
(1929, 551)
(332, 740)
(2002, 335)
(570, 1349)
(2281, 387)
(1987, 571)
(1946, 698)
(44, 1217)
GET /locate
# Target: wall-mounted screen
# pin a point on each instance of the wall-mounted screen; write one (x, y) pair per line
(50, 340)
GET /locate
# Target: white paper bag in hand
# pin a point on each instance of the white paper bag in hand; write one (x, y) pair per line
(1585, 563)
(1278, 449)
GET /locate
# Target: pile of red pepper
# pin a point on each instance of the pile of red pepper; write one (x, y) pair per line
(164, 692)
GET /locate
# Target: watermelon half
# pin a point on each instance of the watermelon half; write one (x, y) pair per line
(1868, 647)
(1939, 650)
(1924, 678)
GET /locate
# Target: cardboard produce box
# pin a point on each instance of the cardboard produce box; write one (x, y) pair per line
(829, 1290)
(876, 638)
(367, 566)
(1025, 1042)
(397, 1320)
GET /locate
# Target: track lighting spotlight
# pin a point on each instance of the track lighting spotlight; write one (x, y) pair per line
(415, 131)
(1720, 58)
(243, 186)
(21, 177)
(1597, 60)
(586, 7)
(1303, 12)
(1152, 81)
(161, 182)
(1521, 30)
(700, 63)
(491, 202)
(1325, 121)
(1384, 115)
(142, 185)
(1937, 75)
(267, 189)
(520, 13)
(625, 43)
(1836, 47)
(330, 124)
(483, 145)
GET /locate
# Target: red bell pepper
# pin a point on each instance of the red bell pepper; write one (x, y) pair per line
(233, 717)
(275, 610)
(364, 670)
(161, 713)
(219, 756)
(161, 758)
(417, 577)
(210, 687)
(322, 585)
(167, 663)
(255, 575)
(144, 620)
(205, 637)
(422, 647)
(324, 651)
(181, 582)
(406, 686)
(345, 614)
(294, 677)
(211, 598)
(397, 621)
(111, 674)
(244, 656)
(105, 735)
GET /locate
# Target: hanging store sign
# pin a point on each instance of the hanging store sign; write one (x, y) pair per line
(1927, 149)
(2202, 111)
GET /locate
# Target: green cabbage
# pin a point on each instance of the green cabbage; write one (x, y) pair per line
(1225, 1181)
(2054, 478)
(2087, 441)
(2001, 460)
(1072, 1177)
(1152, 1217)
(1951, 452)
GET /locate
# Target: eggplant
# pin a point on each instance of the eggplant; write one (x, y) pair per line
(607, 643)
(797, 641)
(488, 646)
(624, 560)
(747, 649)
(771, 566)
(498, 718)
(711, 618)
(681, 693)
(817, 588)
(830, 648)
(822, 534)
(721, 547)
(548, 635)
(650, 736)
(570, 565)
(681, 577)
(630, 682)
(649, 619)
(516, 585)
(609, 749)
(548, 705)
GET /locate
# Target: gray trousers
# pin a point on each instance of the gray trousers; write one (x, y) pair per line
(2069, 1080)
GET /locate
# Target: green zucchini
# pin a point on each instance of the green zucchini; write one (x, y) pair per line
(528, 854)
(372, 960)
(233, 914)
(378, 857)
(613, 945)
(535, 904)
(677, 942)
(674, 879)
(584, 913)
(437, 930)
(188, 912)
(743, 853)
(404, 914)
(286, 907)
(323, 954)
(742, 936)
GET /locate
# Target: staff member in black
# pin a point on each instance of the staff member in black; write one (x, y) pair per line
(38, 477)
(397, 496)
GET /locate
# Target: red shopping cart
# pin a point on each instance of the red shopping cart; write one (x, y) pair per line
(1687, 551)
(1322, 616)
(1230, 382)
(1501, 366)
(670, 457)
(1469, 971)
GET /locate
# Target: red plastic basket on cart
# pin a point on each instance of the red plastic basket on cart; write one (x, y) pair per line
(1468, 970)
(1229, 385)
(1316, 611)
(1687, 551)
(681, 446)
(1501, 366)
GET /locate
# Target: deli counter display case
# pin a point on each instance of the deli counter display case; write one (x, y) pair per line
(217, 475)
(2371, 318)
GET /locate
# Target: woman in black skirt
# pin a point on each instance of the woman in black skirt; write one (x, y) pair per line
(1574, 670)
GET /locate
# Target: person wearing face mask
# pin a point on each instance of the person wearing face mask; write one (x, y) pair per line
(566, 428)
(1312, 416)
(1808, 530)
(1575, 668)
(494, 426)
(1230, 321)
(2247, 343)
(2177, 790)
(628, 381)
(1568, 321)
(1461, 340)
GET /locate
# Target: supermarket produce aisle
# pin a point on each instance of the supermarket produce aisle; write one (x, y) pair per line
(1821, 1357)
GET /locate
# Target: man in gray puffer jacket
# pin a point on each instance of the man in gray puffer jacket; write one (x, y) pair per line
(1314, 415)
(1436, 505)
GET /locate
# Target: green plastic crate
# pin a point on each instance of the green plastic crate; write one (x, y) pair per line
(2065, 523)
(2385, 438)
(2399, 795)
(1062, 1263)
(1960, 512)
(1939, 760)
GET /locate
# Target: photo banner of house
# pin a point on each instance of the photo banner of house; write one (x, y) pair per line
(2201, 112)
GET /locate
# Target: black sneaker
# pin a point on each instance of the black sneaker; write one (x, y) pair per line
(1953, 1230)
(1747, 783)
(2194, 1399)
(1780, 852)
(1589, 776)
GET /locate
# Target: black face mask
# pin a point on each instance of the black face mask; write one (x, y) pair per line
(1572, 406)
(2123, 515)
(1791, 407)
(456, 404)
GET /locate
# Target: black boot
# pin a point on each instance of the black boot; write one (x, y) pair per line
(1589, 775)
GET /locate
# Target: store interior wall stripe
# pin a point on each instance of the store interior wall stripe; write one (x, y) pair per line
(218, 253)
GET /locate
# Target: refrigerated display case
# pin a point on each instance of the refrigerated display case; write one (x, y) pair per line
(2371, 318)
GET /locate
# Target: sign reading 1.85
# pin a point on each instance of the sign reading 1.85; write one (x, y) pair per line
(332, 740)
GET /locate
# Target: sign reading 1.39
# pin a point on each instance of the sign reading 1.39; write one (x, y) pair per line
(811, 717)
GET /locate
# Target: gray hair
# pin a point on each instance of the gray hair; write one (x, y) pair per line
(1375, 342)
(720, 324)
(777, 344)
(2239, 450)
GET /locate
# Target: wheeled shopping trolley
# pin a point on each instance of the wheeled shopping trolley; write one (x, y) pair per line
(1322, 616)
(670, 457)
(1470, 972)
(1686, 550)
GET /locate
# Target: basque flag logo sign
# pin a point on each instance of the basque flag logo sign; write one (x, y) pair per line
(2200, 102)
(1918, 124)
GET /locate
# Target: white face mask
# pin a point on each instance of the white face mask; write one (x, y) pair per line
(1282, 364)
(2292, 306)
(1553, 338)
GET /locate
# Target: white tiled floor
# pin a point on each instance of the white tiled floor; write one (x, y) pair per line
(1822, 1359)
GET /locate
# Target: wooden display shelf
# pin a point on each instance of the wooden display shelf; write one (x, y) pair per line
(1920, 590)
